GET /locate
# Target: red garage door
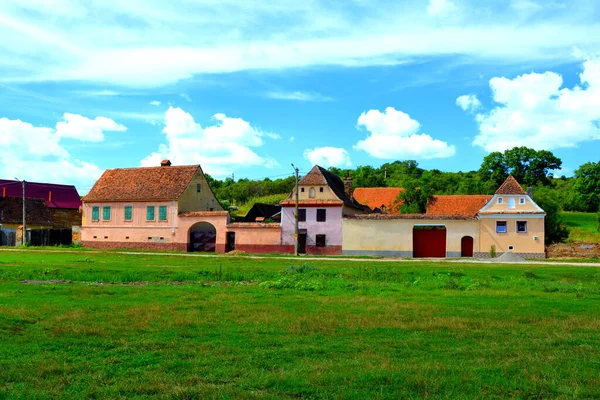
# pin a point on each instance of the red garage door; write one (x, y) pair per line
(429, 241)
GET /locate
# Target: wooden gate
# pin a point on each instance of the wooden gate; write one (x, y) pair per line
(466, 246)
(429, 241)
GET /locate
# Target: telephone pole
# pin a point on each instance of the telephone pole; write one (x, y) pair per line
(296, 215)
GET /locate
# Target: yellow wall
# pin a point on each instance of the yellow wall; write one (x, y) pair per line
(522, 242)
(191, 200)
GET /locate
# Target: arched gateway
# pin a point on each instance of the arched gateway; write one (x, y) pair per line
(203, 237)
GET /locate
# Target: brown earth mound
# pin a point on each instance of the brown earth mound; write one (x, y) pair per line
(573, 250)
(236, 253)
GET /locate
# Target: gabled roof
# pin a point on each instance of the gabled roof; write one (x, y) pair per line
(142, 184)
(55, 196)
(320, 176)
(464, 205)
(510, 186)
(376, 197)
(36, 211)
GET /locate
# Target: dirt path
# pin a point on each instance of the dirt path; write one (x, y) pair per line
(311, 258)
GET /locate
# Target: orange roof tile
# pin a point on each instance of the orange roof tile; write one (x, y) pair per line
(376, 197)
(464, 205)
(139, 184)
(510, 186)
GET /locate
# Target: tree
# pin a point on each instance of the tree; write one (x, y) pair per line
(555, 229)
(587, 185)
(528, 166)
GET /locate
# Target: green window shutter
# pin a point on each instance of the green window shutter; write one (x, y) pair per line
(162, 213)
(106, 213)
(95, 213)
(128, 213)
(150, 213)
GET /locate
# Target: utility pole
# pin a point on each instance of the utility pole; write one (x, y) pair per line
(296, 215)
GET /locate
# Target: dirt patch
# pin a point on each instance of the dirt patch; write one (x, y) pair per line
(509, 257)
(48, 282)
(236, 253)
(573, 250)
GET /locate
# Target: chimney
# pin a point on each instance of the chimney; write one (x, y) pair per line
(530, 192)
(165, 163)
(348, 185)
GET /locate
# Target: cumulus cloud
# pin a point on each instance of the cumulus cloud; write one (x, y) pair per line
(534, 110)
(394, 134)
(219, 148)
(468, 102)
(328, 157)
(75, 126)
(154, 103)
(35, 152)
(298, 96)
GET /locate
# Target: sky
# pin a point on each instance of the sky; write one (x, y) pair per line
(247, 88)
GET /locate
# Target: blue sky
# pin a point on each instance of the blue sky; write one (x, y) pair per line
(250, 87)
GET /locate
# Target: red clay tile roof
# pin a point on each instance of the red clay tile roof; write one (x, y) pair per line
(141, 184)
(376, 197)
(510, 186)
(429, 217)
(464, 205)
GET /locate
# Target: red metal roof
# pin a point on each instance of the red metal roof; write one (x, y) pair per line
(54, 195)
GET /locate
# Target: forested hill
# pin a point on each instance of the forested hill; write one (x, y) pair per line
(530, 167)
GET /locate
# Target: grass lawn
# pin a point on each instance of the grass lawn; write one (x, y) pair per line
(106, 325)
(583, 226)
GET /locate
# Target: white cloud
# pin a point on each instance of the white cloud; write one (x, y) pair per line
(219, 148)
(394, 134)
(328, 157)
(36, 154)
(141, 44)
(534, 110)
(298, 96)
(78, 127)
(185, 96)
(154, 103)
(468, 102)
(440, 7)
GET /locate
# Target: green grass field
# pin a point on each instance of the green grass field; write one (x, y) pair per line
(583, 226)
(106, 325)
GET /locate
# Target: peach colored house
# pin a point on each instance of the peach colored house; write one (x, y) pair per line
(166, 207)
(453, 226)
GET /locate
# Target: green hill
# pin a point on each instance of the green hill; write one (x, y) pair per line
(583, 226)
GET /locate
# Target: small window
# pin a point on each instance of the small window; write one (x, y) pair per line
(198, 187)
(321, 189)
(106, 213)
(311, 192)
(128, 213)
(521, 200)
(320, 240)
(126, 237)
(511, 202)
(500, 200)
(500, 226)
(321, 215)
(302, 190)
(511, 247)
(95, 237)
(522, 226)
(302, 215)
(150, 213)
(162, 213)
(95, 213)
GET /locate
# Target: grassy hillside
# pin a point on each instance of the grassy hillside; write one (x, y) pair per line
(583, 226)
(87, 325)
(271, 199)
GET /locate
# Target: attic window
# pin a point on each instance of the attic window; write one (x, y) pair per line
(302, 190)
(511, 202)
(500, 200)
(198, 187)
(311, 192)
(321, 189)
(521, 200)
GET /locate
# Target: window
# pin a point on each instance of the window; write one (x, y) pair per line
(511, 202)
(320, 240)
(500, 200)
(500, 226)
(511, 247)
(321, 189)
(198, 187)
(128, 213)
(321, 215)
(302, 215)
(150, 213)
(302, 190)
(95, 213)
(521, 200)
(522, 226)
(311, 192)
(106, 213)
(162, 213)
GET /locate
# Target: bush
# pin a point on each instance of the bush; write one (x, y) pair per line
(493, 251)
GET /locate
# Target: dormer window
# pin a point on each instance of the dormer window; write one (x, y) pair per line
(500, 200)
(311, 192)
(521, 200)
